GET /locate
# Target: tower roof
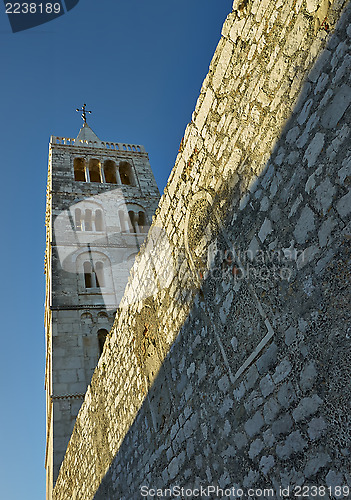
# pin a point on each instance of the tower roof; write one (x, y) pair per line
(86, 134)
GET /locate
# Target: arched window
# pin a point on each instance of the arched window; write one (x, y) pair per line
(122, 220)
(79, 169)
(132, 222)
(94, 171)
(96, 269)
(126, 173)
(78, 219)
(102, 335)
(142, 222)
(110, 172)
(88, 220)
(86, 318)
(88, 226)
(102, 317)
(88, 275)
(98, 220)
(99, 273)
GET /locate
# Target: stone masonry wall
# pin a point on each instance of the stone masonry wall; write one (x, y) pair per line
(228, 363)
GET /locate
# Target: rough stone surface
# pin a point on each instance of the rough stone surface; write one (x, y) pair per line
(261, 130)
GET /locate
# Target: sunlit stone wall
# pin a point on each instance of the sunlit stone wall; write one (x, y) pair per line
(228, 362)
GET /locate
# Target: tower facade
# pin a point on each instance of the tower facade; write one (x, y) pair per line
(100, 200)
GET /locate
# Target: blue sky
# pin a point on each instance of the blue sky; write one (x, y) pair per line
(139, 65)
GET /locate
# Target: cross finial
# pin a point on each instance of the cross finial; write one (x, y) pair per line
(84, 112)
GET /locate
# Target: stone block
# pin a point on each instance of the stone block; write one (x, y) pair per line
(190, 448)
(77, 388)
(307, 407)
(265, 230)
(224, 480)
(267, 386)
(344, 205)
(325, 231)
(268, 438)
(345, 171)
(190, 426)
(282, 425)
(254, 424)
(173, 468)
(204, 109)
(266, 463)
(290, 335)
(282, 371)
(320, 266)
(324, 196)
(240, 440)
(251, 377)
(253, 401)
(222, 64)
(225, 407)
(250, 479)
(337, 107)
(237, 28)
(264, 205)
(268, 177)
(304, 113)
(317, 462)
(305, 225)
(239, 392)
(294, 443)
(296, 36)
(308, 376)
(312, 5)
(307, 256)
(271, 410)
(255, 448)
(277, 72)
(316, 428)
(314, 149)
(267, 359)
(286, 395)
(67, 376)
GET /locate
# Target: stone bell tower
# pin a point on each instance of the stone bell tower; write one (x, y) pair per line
(100, 200)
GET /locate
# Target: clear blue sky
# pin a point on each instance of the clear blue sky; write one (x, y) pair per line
(139, 65)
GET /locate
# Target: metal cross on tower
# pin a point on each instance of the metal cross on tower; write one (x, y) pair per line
(84, 112)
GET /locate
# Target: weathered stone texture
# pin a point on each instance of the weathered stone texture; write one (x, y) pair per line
(228, 362)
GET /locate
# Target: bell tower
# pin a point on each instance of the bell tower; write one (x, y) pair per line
(100, 200)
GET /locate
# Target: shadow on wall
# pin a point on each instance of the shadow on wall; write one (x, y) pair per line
(254, 391)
